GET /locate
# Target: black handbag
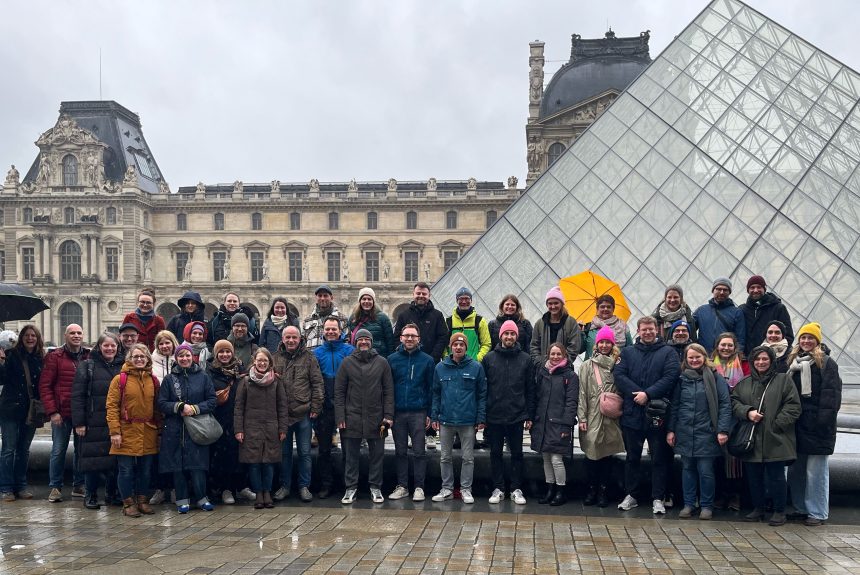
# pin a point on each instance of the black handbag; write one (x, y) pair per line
(742, 438)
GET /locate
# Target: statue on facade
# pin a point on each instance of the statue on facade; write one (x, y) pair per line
(44, 175)
(427, 271)
(266, 269)
(472, 184)
(130, 177)
(188, 270)
(226, 270)
(314, 185)
(352, 187)
(238, 186)
(12, 176)
(90, 169)
(386, 269)
(512, 182)
(201, 188)
(276, 186)
(147, 269)
(306, 274)
(163, 187)
(431, 185)
(392, 185)
(534, 154)
(535, 82)
(345, 270)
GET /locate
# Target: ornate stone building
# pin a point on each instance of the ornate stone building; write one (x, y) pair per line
(94, 220)
(598, 71)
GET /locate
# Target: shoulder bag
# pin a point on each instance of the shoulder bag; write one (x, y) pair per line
(742, 438)
(36, 415)
(203, 429)
(609, 403)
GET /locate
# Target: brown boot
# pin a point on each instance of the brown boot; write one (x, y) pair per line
(258, 502)
(129, 507)
(267, 499)
(143, 505)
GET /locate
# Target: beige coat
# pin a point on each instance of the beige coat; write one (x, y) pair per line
(603, 437)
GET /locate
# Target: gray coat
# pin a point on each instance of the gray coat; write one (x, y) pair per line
(363, 394)
(701, 409)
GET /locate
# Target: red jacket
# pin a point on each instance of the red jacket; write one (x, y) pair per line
(148, 331)
(55, 383)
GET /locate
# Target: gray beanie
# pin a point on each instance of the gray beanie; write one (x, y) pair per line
(240, 318)
(363, 333)
(722, 282)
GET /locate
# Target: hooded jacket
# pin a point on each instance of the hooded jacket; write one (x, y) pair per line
(459, 392)
(431, 327)
(510, 385)
(220, 324)
(139, 437)
(380, 329)
(701, 408)
(524, 327)
(774, 435)
(477, 333)
(14, 398)
(363, 394)
(714, 318)
(192, 386)
(413, 379)
(89, 398)
(300, 374)
(178, 322)
(270, 336)
(650, 368)
(816, 426)
(759, 314)
(603, 435)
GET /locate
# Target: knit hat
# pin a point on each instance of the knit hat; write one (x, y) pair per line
(813, 329)
(323, 288)
(366, 291)
(240, 318)
(182, 347)
(679, 323)
(510, 326)
(222, 344)
(197, 326)
(554, 293)
(673, 287)
(722, 282)
(605, 333)
(463, 291)
(457, 336)
(756, 281)
(778, 324)
(363, 333)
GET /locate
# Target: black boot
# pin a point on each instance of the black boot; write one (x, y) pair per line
(550, 491)
(560, 497)
(591, 498)
(602, 499)
(92, 500)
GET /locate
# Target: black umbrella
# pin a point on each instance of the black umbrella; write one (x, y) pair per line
(19, 303)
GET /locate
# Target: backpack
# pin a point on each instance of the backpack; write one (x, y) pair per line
(450, 322)
(123, 411)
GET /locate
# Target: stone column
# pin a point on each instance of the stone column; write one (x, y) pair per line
(536, 63)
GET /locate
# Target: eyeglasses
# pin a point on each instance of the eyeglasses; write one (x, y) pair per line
(144, 303)
(409, 336)
(136, 357)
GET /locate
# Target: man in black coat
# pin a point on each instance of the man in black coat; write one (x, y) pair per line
(648, 371)
(221, 324)
(761, 308)
(510, 408)
(430, 321)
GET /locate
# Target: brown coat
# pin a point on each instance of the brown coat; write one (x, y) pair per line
(139, 437)
(261, 414)
(300, 374)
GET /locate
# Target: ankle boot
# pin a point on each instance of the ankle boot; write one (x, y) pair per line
(143, 505)
(560, 497)
(267, 500)
(92, 500)
(129, 507)
(258, 502)
(550, 491)
(591, 498)
(602, 498)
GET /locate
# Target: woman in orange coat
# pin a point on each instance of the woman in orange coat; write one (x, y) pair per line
(134, 423)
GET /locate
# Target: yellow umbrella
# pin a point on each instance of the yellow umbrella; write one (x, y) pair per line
(582, 290)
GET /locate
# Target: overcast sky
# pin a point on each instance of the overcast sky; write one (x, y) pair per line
(333, 90)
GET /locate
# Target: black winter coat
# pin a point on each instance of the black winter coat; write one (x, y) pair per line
(193, 386)
(89, 396)
(816, 427)
(525, 331)
(14, 400)
(510, 385)
(555, 414)
(219, 325)
(757, 316)
(431, 326)
(177, 323)
(653, 369)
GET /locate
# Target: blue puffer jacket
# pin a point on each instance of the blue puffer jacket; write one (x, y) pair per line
(413, 379)
(650, 368)
(459, 392)
(711, 325)
(330, 355)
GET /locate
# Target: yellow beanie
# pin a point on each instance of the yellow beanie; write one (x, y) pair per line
(813, 329)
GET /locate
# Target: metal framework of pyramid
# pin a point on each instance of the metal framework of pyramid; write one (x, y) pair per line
(734, 153)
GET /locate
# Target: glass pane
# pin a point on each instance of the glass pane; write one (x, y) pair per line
(735, 237)
(525, 215)
(703, 71)
(761, 144)
(546, 192)
(644, 288)
(654, 168)
(806, 142)
(719, 53)
(743, 69)
(666, 262)
(717, 145)
(847, 207)
(848, 140)
(819, 186)
(522, 265)
(591, 237)
(744, 166)
(679, 54)
(687, 237)
(658, 212)
(608, 129)
(626, 109)
(615, 210)
(640, 237)
(692, 125)
(726, 189)
(697, 286)
(707, 212)
(836, 163)
(758, 51)
(751, 104)
(680, 190)
(734, 124)
(711, 21)
(768, 260)
(802, 210)
(726, 87)
(794, 102)
(783, 68)
(618, 263)
(568, 213)
(569, 260)
(662, 72)
(749, 19)
(818, 262)
(846, 287)
(714, 260)
(799, 289)
(537, 289)
(650, 128)
(789, 165)
(709, 106)
(644, 89)
(668, 107)
(699, 167)
(727, 8)
(754, 212)
(821, 122)
(496, 286)
(798, 49)
(835, 235)
(809, 84)
(501, 239)
(631, 148)
(778, 123)
(477, 264)
(784, 236)
(849, 81)
(547, 240)
(589, 149)
(824, 65)
(568, 170)
(841, 322)
(695, 37)
(591, 191)
(635, 190)
(673, 147)
(611, 169)
(772, 187)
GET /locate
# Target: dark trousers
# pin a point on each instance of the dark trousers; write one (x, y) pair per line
(92, 480)
(634, 441)
(496, 434)
(410, 424)
(133, 475)
(198, 486)
(325, 428)
(767, 480)
(599, 471)
(352, 454)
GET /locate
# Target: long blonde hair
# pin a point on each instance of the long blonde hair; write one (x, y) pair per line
(817, 354)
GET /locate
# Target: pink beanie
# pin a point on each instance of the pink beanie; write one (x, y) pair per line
(605, 333)
(509, 326)
(555, 293)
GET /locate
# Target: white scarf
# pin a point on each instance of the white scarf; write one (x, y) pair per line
(619, 328)
(803, 364)
(779, 348)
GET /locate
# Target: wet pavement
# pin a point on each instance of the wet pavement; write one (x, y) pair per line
(404, 537)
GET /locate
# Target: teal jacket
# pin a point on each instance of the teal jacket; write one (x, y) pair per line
(459, 392)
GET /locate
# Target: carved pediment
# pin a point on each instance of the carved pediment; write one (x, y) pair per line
(218, 246)
(66, 131)
(333, 246)
(295, 246)
(181, 246)
(115, 240)
(583, 112)
(411, 246)
(372, 246)
(451, 245)
(256, 246)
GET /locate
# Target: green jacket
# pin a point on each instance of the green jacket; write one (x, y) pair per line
(478, 337)
(774, 435)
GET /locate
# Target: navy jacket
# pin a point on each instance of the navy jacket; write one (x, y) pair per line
(413, 379)
(699, 412)
(651, 368)
(712, 319)
(193, 386)
(459, 392)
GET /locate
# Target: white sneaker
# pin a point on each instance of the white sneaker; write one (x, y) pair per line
(498, 495)
(247, 495)
(399, 493)
(517, 497)
(227, 497)
(157, 497)
(466, 495)
(376, 495)
(430, 442)
(628, 503)
(658, 507)
(418, 494)
(281, 494)
(668, 501)
(443, 495)
(349, 496)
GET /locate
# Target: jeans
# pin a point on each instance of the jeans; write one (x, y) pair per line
(59, 445)
(809, 480)
(198, 486)
(302, 431)
(410, 424)
(14, 455)
(325, 429)
(132, 476)
(767, 476)
(352, 453)
(260, 476)
(467, 443)
(496, 435)
(698, 472)
(634, 441)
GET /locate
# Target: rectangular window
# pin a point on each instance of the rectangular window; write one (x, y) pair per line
(257, 259)
(112, 263)
(371, 266)
(2, 265)
(181, 262)
(295, 264)
(218, 259)
(333, 221)
(333, 264)
(450, 258)
(410, 266)
(28, 263)
(295, 221)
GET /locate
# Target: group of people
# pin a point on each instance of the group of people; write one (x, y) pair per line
(138, 399)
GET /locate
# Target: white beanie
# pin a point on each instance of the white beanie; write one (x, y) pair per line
(366, 291)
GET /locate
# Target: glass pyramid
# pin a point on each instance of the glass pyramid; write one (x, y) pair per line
(734, 153)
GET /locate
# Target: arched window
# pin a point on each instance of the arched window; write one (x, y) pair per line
(28, 215)
(219, 221)
(554, 152)
(333, 220)
(181, 222)
(70, 312)
(256, 221)
(411, 220)
(70, 170)
(372, 220)
(69, 215)
(295, 221)
(492, 216)
(451, 220)
(70, 261)
(111, 216)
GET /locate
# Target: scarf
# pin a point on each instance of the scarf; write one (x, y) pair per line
(144, 318)
(779, 348)
(197, 348)
(619, 328)
(732, 372)
(280, 322)
(261, 379)
(553, 368)
(670, 317)
(231, 370)
(803, 364)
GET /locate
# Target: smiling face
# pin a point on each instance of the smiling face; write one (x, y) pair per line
(680, 334)
(721, 293)
(555, 355)
(29, 339)
(726, 348)
(184, 358)
(807, 342)
(261, 363)
(324, 300)
(74, 336)
(604, 346)
(421, 295)
(464, 302)
(774, 334)
(366, 302)
(108, 348)
(197, 336)
(145, 302)
(761, 362)
(695, 359)
(605, 310)
(128, 337)
(279, 309)
(509, 307)
(458, 349)
(190, 306)
(231, 302)
(756, 292)
(673, 300)
(409, 338)
(165, 347)
(139, 359)
(224, 355)
(647, 332)
(508, 338)
(291, 338)
(364, 343)
(554, 306)
(331, 330)
(239, 330)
